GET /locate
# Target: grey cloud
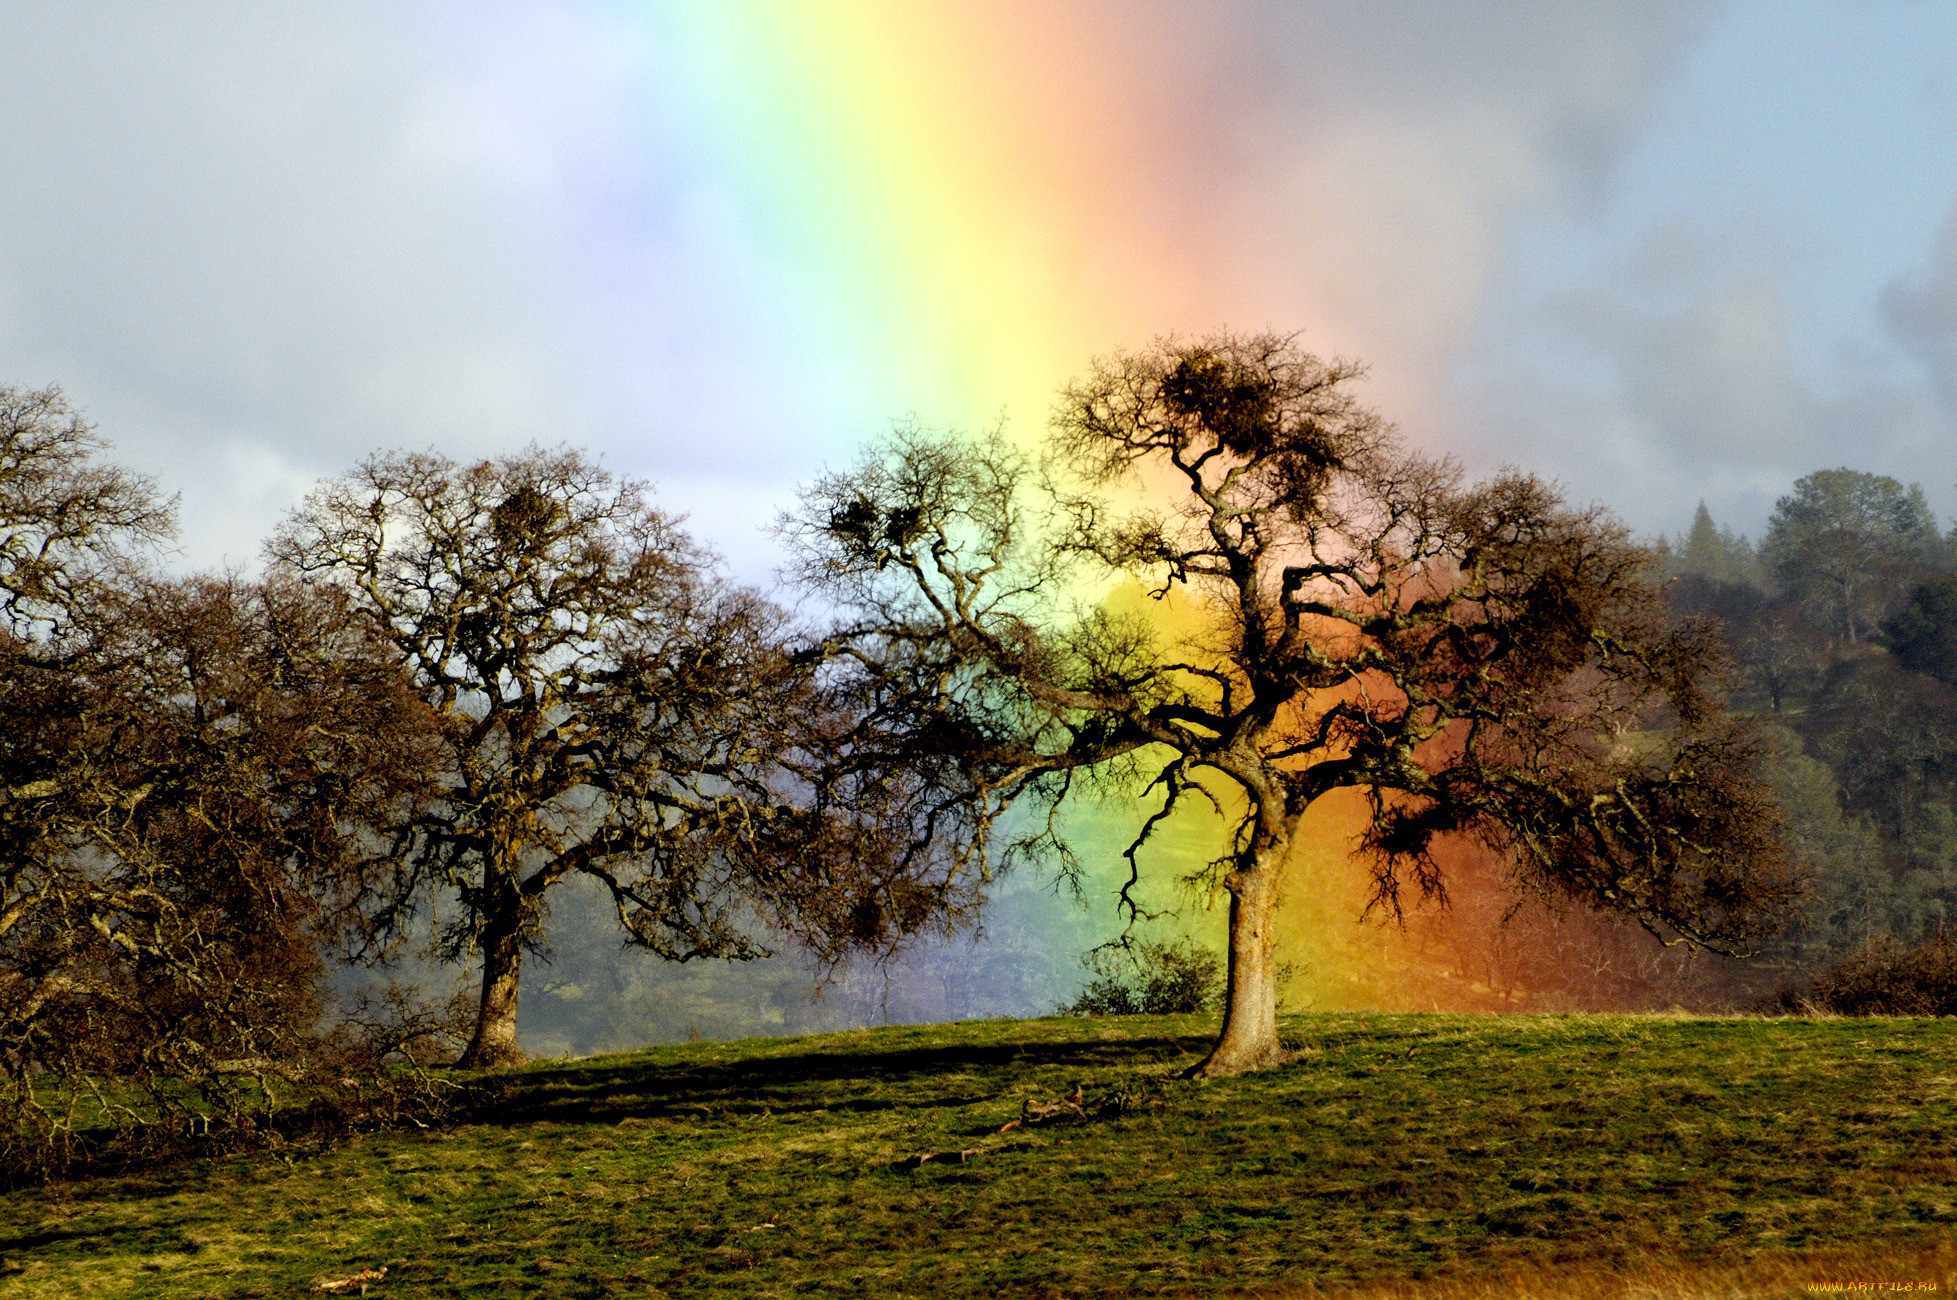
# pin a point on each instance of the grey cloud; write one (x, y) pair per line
(255, 242)
(1677, 380)
(1386, 146)
(1921, 313)
(1713, 377)
(259, 241)
(1423, 54)
(1573, 81)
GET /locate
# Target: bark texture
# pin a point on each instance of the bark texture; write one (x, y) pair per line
(1249, 1039)
(494, 1042)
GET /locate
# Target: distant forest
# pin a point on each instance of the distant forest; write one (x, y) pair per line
(1842, 622)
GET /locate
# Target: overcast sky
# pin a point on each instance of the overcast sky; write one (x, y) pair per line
(1661, 251)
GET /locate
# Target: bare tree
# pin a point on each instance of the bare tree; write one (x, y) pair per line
(1477, 659)
(608, 707)
(1778, 651)
(69, 525)
(180, 761)
(217, 751)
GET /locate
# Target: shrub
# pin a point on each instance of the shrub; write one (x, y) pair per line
(1886, 980)
(1159, 979)
(366, 1067)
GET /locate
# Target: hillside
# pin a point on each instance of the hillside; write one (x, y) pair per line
(1398, 1148)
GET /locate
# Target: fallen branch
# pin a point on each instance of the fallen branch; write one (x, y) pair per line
(1077, 1106)
(363, 1279)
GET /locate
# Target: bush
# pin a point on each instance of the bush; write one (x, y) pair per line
(1160, 979)
(111, 1107)
(1887, 980)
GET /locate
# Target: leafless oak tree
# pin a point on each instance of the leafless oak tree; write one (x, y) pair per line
(220, 750)
(608, 705)
(1477, 659)
(180, 761)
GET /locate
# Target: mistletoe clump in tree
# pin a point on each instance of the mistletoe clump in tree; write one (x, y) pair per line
(1476, 659)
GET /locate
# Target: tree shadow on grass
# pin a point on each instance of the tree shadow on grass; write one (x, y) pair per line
(852, 1079)
(154, 1239)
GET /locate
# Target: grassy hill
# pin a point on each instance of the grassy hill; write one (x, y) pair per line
(1480, 1155)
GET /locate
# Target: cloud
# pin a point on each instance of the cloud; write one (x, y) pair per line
(248, 237)
(241, 235)
(1679, 376)
(275, 228)
(1921, 314)
(1712, 375)
(1386, 146)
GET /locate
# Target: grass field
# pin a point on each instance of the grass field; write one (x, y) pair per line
(1400, 1155)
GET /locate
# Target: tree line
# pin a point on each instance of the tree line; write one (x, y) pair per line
(1842, 620)
(459, 685)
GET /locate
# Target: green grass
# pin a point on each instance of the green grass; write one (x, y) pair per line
(1397, 1147)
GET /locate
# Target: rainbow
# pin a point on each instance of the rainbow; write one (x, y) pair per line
(978, 197)
(972, 200)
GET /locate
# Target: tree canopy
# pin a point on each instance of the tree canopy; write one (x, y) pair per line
(1923, 633)
(181, 761)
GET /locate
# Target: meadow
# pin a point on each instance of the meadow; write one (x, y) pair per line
(1398, 1156)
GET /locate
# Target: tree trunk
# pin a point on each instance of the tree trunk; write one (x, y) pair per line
(494, 1042)
(1249, 1038)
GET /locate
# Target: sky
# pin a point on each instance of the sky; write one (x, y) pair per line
(1659, 251)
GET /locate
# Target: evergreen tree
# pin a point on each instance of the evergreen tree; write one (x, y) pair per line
(1716, 553)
